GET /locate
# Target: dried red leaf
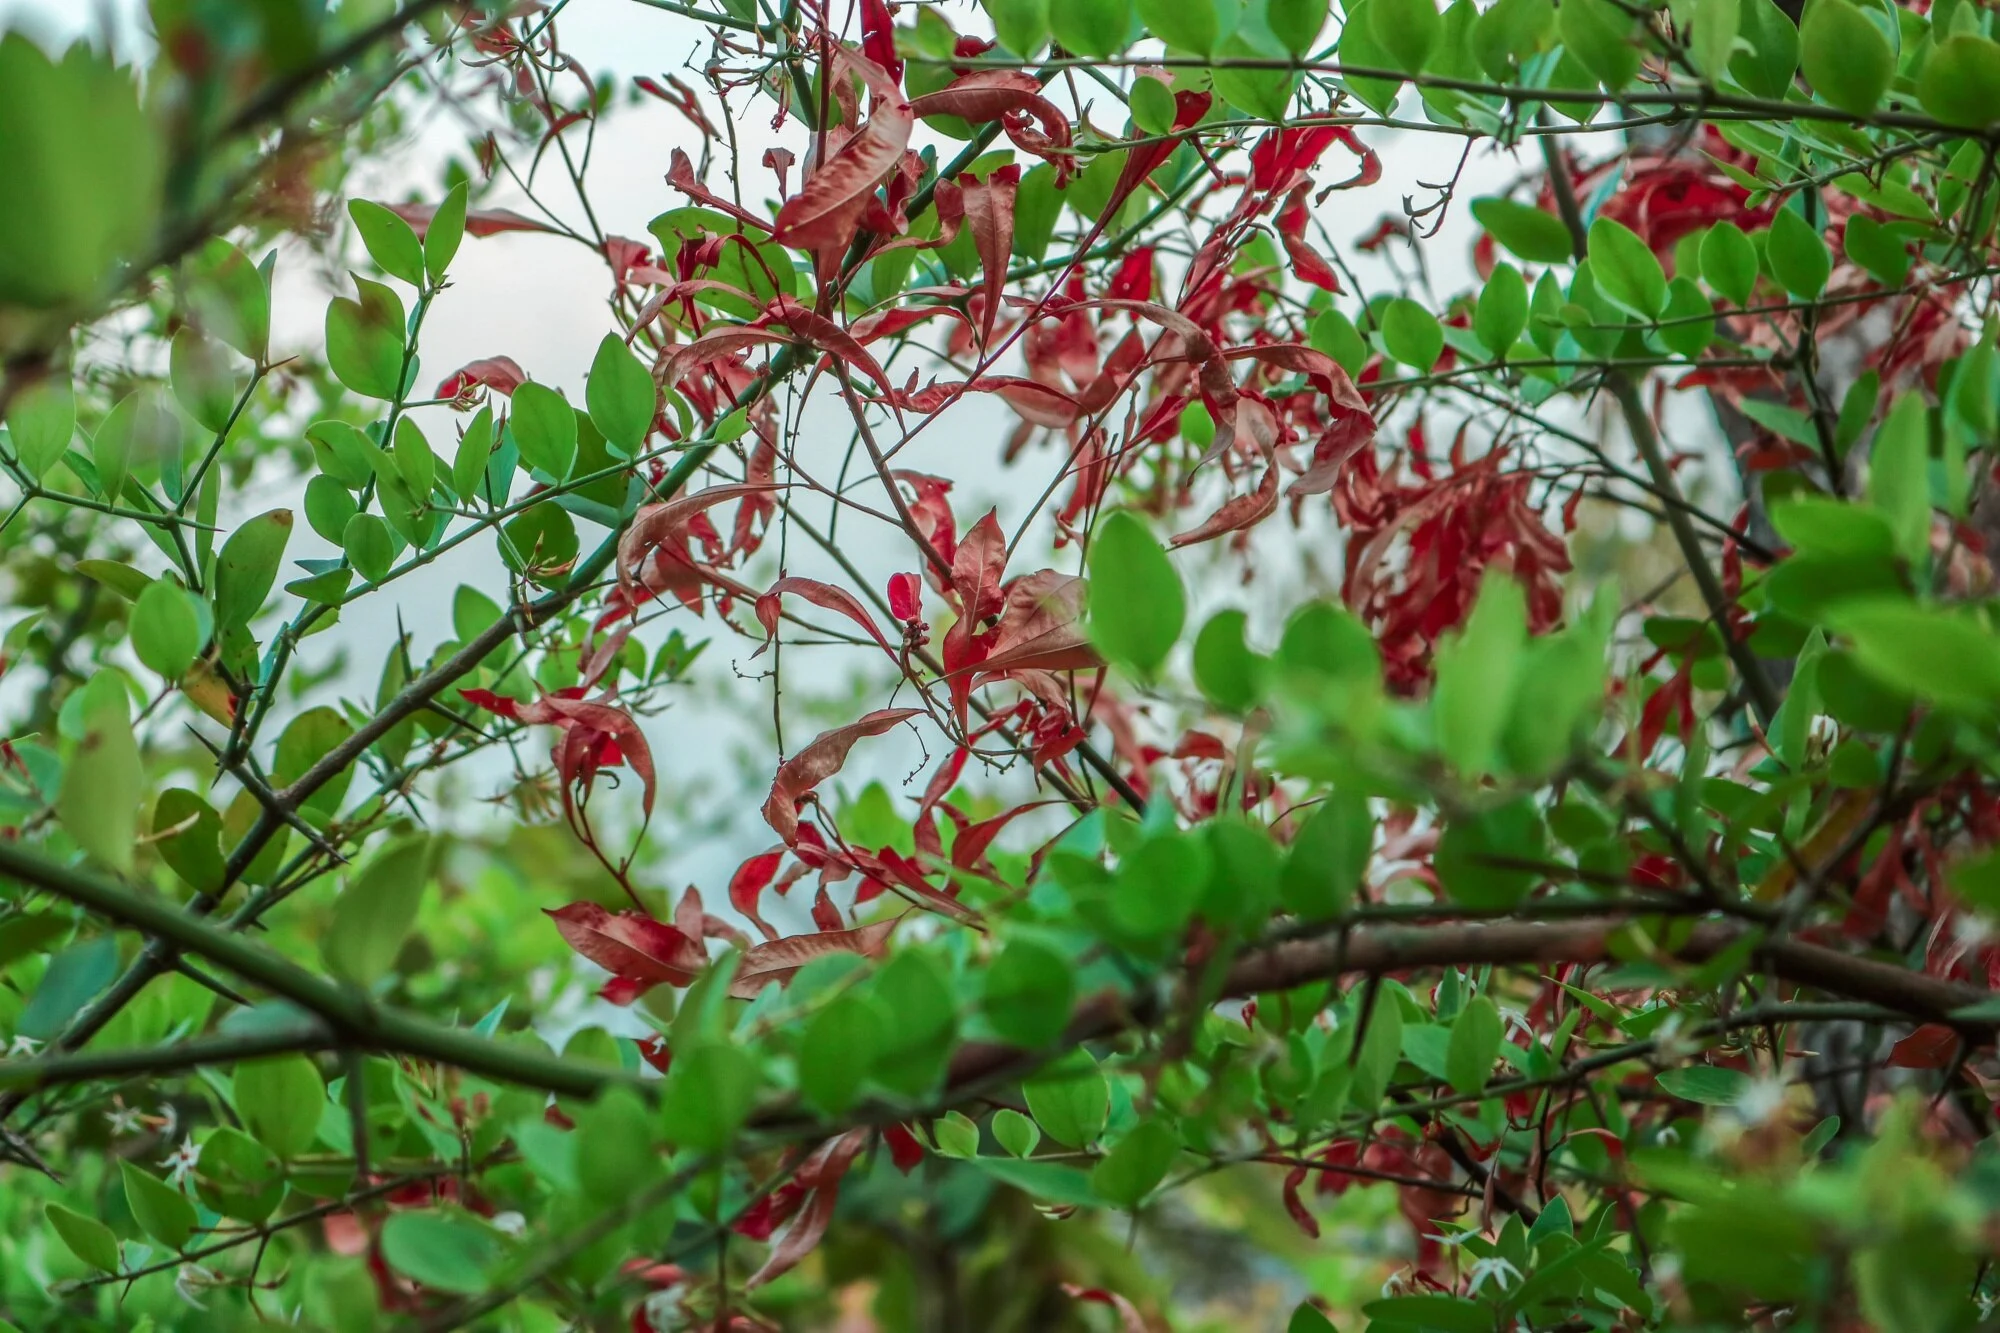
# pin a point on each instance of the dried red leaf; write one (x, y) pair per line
(819, 594)
(748, 884)
(821, 1174)
(778, 960)
(818, 761)
(826, 211)
(1932, 1046)
(500, 373)
(637, 950)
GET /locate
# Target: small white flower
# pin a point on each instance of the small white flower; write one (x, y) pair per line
(1669, 1136)
(1762, 1099)
(170, 1120)
(511, 1223)
(181, 1161)
(190, 1280)
(1503, 1273)
(663, 1309)
(23, 1045)
(125, 1120)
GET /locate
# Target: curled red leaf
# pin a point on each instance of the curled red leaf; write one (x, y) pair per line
(778, 960)
(639, 952)
(819, 760)
(819, 594)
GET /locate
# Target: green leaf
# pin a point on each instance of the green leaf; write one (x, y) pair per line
(1475, 1044)
(1187, 25)
(203, 376)
(1044, 1179)
(1502, 313)
(1308, 1319)
(621, 396)
(1015, 1132)
(329, 508)
(1506, 37)
(1091, 27)
(41, 421)
(87, 1238)
(391, 243)
(446, 1251)
(364, 340)
(1944, 656)
(1688, 323)
(1705, 1084)
(1433, 1314)
(369, 545)
(708, 1096)
(1408, 30)
(1228, 672)
(837, 1049)
(1603, 38)
(238, 1176)
(1335, 334)
(1538, 237)
(1359, 48)
(1381, 1051)
(1899, 476)
(1713, 42)
(1729, 259)
(1261, 91)
(280, 1101)
(1070, 1100)
(1029, 989)
(614, 1147)
(1328, 855)
(915, 992)
(104, 782)
(1626, 270)
(1296, 23)
(161, 1211)
(230, 298)
(374, 913)
(1845, 57)
(72, 979)
(1136, 1164)
(544, 426)
(166, 629)
(1153, 107)
(1246, 873)
(1136, 601)
(1797, 254)
(247, 566)
(956, 1135)
(1410, 333)
(1476, 854)
(1021, 25)
(1476, 671)
(141, 431)
(446, 230)
(1768, 52)
(1833, 527)
(1960, 81)
(475, 454)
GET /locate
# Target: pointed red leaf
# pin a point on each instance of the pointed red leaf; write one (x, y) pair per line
(819, 594)
(479, 222)
(638, 951)
(826, 211)
(750, 881)
(818, 761)
(777, 960)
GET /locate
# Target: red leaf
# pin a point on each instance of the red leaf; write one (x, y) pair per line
(976, 567)
(906, 598)
(971, 845)
(989, 211)
(680, 175)
(657, 525)
(1932, 1046)
(1241, 512)
(479, 222)
(500, 373)
(878, 37)
(777, 960)
(1296, 1206)
(1129, 1320)
(825, 915)
(819, 594)
(818, 761)
(716, 345)
(990, 94)
(906, 1150)
(750, 881)
(637, 950)
(830, 338)
(1041, 626)
(826, 211)
(821, 1174)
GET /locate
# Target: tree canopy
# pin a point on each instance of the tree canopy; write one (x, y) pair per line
(1250, 755)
